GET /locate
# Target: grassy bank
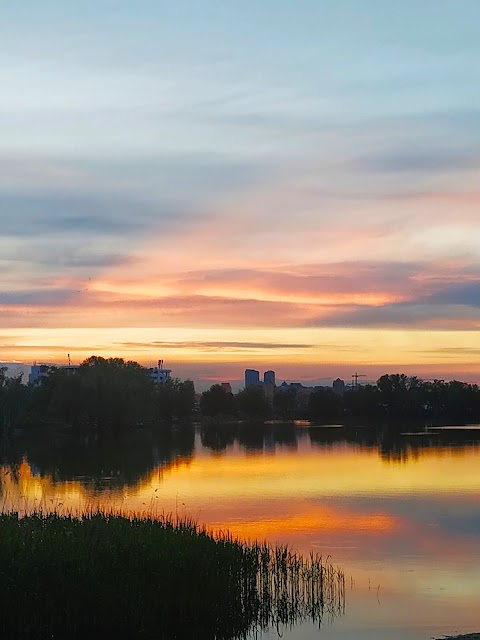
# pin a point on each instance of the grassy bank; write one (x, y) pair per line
(126, 577)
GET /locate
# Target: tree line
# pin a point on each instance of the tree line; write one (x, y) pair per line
(393, 397)
(402, 397)
(103, 393)
(113, 393)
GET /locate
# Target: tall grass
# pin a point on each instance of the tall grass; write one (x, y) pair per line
(113, 576)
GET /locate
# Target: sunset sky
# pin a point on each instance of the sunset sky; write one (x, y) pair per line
(278, 184)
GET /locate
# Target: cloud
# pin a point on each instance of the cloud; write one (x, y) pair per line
(84, 214)
(391, 315)
(95, 310)
(461, 120)
(76, 257)
(465, 294)
(331, 279)
(350, 294)
(216, 345)
(431, 161)
(41, 348)
(40, 297)
(404, 315)
(454, 351)
(55, 232)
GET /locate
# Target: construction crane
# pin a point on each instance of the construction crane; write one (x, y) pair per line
(355, 377)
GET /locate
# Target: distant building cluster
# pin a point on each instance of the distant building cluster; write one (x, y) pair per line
(252, 378)
(38, 371)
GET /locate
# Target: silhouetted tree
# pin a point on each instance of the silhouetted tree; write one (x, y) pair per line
(174, 399)
(324, 404)
(284, 403)
(13, 400)
(401, 395)
(363, 402)
(117, 392)
(252, 403)
(217, 401)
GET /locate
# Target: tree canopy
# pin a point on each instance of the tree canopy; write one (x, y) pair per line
(113, 393)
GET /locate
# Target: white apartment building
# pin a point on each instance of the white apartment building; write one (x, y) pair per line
(158, 374)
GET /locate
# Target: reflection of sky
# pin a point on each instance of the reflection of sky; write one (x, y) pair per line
(407, 533)
(210, 167)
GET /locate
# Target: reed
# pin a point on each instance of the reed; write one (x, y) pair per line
(101, 574)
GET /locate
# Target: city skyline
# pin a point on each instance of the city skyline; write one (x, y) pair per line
(277, 185)
(236, 378)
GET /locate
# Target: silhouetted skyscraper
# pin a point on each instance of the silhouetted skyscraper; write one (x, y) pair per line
(269, 377)
(252, 378)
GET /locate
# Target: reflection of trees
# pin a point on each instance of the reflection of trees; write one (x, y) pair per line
(413, 446)
(251, 436)
(113, 462)
(217, 438)
(393, 445)
(103, 461)
(286, 435)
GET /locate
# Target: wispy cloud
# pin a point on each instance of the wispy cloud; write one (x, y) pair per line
(40, 297)
(46, 213)
(465, 294)
(431, 161)
(215, 345)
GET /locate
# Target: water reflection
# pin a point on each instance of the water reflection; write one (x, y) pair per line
(399, 512)
(100, 461)
(127, 460)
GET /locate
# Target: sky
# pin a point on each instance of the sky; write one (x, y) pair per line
(275, 184)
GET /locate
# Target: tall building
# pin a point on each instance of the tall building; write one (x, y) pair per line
(269, 378)
(269, 385)
(252, 378)
(158, 374)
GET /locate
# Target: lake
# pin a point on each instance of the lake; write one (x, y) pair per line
(400, 514)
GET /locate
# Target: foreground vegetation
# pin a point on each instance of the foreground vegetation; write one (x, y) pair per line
(103, 575)
(111, 394)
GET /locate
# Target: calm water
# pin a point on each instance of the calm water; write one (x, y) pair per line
(400, 515)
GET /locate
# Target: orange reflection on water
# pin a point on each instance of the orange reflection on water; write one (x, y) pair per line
(339, 470)
(24, 491)
(324, 519)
